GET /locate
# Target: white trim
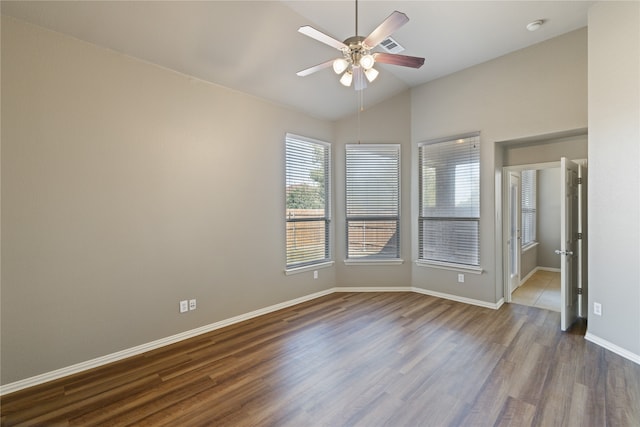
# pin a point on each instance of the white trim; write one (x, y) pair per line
(372, 289)
(555, 270)
(529, 246)
(133, 351)
(534, 271)
(449, 266)
(450, 297)
(301, 138)
(527, 277)
(457, 298)
(379, 261)
(306, 268)
(612, 347)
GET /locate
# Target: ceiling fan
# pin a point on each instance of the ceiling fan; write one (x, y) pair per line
(357, 61)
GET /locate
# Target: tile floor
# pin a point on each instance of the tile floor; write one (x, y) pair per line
(541, 290)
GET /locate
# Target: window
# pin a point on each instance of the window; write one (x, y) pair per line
(528, 180)
(308, 201)
(373, 201)
(449, 201)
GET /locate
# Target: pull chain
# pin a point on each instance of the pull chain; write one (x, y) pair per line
(360, 110)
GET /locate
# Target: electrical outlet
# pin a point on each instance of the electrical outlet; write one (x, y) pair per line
(192, 304)
(460, 278)
(315, 274)
(597, 309)
(184, 306)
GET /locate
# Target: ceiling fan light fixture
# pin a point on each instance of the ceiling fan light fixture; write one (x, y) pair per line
(371, 74)
(367, 61)
(346, 78)
(355, 66)
(339, 65)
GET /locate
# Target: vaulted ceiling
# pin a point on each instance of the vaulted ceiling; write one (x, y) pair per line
(254, 46)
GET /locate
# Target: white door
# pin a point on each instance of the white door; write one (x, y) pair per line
(568, 248)
(582, 241)
(514, 231)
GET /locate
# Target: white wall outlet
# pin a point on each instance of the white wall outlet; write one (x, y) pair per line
(460, 278)
(597, 309)
(315, 274)
(192, 304)
(184, 306)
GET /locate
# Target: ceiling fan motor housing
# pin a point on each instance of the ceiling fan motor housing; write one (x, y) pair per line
(357, 49)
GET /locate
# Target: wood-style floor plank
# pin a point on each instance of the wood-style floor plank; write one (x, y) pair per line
(355, 359)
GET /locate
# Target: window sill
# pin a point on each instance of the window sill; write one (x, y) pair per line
(395, 261)
(306, 268)
(529, 247)
(450, 266)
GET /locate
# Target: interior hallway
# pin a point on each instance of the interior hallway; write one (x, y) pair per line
(541, 290)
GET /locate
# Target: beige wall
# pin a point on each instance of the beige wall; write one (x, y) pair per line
(528, 262)
(548, 218)
(388, 122)
(546, 150)
(614, 176)
(126, 188)
(539, 90)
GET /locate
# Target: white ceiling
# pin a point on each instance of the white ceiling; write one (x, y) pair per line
(254, 46)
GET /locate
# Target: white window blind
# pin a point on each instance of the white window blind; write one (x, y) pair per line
(373, 201)
(307, 201)
(449, 200)
(528, 182)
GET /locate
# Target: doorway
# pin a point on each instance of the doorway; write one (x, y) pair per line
(541, 290)
(544, 240)
(532, 211)
(542, 153)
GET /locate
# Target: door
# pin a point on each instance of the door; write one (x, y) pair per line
(568, 247)
(514, 231)
(582, 240)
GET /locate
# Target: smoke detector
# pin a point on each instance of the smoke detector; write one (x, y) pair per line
(535, 25)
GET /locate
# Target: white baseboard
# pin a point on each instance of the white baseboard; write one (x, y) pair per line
(372, 289)
(527, 277)
(536, 269)
(456, 298)
(612, 347)
(555, 270)
(133, 351)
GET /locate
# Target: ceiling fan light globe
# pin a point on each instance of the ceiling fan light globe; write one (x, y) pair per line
(339, 65)
(346, 79)
(367, 61)
(371, 74)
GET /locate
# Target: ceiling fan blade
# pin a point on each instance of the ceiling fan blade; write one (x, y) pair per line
(308, 30)
(359, 80)
(315, 68)
(394, 59)
(384, 30)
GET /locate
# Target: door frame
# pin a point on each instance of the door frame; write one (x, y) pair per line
(570, 251)
(511, 239)
(506, 171)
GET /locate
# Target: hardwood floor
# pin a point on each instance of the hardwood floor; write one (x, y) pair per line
(356, 359)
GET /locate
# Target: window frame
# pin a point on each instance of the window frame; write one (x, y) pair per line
(450, 263)
(326, 260)
(372, 217)
(529, 212)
